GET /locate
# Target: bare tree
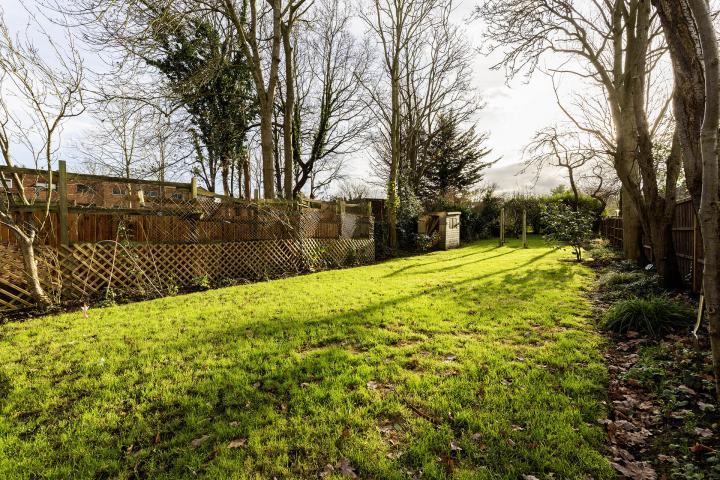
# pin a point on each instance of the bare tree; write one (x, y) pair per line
(354, 190)
(693, 44)
(437, 81)
(49, 86)
(395, 23)
(295, 12)
(331, 118)
(614, 44)
(562, 149)
(251, 43)
(116, 145)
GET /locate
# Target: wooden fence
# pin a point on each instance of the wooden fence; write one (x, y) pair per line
(148, 247)
(687, 241)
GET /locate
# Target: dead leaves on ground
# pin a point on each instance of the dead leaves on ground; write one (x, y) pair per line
(652, 403)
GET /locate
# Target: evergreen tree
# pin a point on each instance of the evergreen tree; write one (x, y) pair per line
(211, 78)
(455, 159)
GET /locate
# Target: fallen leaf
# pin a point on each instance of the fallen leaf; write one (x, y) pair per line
(706, 407)
(199, 441)
(704, 432)
(454, 446)
(700, 448)
(237, 443)
(687, 390)
(346, 469)
(530, 477)
(636, 470)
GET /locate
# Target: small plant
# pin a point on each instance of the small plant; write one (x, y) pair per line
(352, 258)
(613, 279)
(109, 299)
(424, 242)
(172, 289)
(565, 225)
(653, 315)
(600, 251)
(202, 282)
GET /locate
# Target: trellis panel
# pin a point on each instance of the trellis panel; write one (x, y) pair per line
(84, 271)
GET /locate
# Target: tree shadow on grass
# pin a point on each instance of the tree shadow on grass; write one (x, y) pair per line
(291, 390)
(436, 261)
(256, 392)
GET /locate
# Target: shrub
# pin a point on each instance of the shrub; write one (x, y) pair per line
(424, 242)
(653, 315)
(600, 251)
(568, 226)
(202, 282)
(614, 279)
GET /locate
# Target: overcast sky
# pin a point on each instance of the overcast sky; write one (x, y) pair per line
(513, 113)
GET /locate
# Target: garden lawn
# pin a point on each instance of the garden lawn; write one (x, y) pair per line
(475, 363)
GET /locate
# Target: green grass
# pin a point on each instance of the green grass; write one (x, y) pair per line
(475, 363)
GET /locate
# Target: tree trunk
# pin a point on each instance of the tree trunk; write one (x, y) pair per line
(225, 172)
(632, 231)
(246, 176)
(31, 271)
(289, 114)
(693, 45)
(266, 144)
(664, 257)
(393, 199)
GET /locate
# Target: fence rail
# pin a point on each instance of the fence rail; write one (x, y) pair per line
(99, 234)
(687, 241)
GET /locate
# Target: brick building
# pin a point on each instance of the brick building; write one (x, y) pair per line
(98, 191)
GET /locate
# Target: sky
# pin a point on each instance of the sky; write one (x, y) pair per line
(514, 111)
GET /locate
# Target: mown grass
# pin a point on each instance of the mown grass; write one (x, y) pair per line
(475, 363)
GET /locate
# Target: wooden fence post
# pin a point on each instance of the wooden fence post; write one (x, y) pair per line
(524, 229)
(193, 188)
(340, 212)
(502, 226)
(62, 203)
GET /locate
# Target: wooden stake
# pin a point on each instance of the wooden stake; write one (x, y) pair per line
(502, 226)
(62, 203)
(193, 188)
(524, 229)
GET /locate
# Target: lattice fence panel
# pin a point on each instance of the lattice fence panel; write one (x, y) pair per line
(87, 270)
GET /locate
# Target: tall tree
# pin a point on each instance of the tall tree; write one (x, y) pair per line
(331, 118)
(190, 52)
(49, 86)
(294, 13)
(613, 44)
(252, 40)
(693, 44)
(564, 149)
(455, 159)
(199, 58)
(395, 23)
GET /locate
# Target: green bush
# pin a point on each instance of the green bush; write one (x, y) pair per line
(565, 225)
(653, 315)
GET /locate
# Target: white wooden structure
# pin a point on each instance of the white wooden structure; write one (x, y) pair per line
(446, 224)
